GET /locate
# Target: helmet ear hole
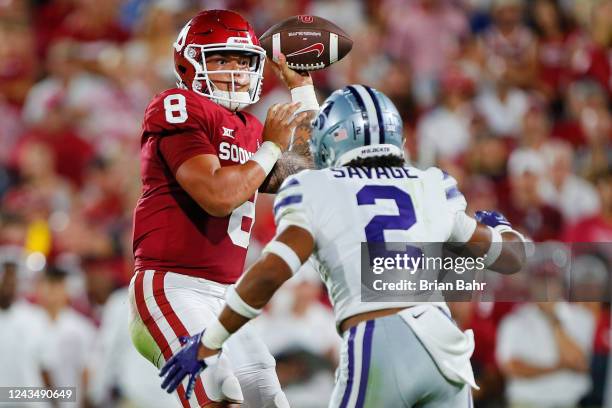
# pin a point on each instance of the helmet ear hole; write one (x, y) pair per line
(182, 69)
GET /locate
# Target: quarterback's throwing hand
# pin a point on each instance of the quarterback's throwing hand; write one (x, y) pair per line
(291, 78)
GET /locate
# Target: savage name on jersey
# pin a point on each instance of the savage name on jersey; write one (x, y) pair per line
(393, 204)
(171, 231)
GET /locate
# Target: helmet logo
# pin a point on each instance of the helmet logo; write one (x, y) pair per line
(340, 135)
(306, 19)
(182, 37)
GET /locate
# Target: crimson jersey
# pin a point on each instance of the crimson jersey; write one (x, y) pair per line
(171, 231)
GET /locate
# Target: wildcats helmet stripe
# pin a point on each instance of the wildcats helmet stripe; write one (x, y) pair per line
(381, 124)
(362, 107)
(370, 108)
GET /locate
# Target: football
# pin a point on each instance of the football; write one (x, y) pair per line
(310, 43)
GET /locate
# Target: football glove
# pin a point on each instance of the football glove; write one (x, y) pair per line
(220, 383)
(493, 219)
(182, 364)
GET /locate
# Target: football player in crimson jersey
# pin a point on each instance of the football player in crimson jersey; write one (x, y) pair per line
(203, 160)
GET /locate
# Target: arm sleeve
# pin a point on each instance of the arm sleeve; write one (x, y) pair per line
(290, 207)
(179, 147)
(463, 225)
(463, 228)
(454, 198)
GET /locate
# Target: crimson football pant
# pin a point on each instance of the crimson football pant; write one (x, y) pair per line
(165, 306)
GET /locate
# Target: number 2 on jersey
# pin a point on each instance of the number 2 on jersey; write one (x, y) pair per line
(175, 106)
(378, 224)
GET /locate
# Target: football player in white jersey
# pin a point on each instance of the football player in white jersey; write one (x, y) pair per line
(401, 354)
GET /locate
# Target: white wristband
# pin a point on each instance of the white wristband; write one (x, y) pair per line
(515, 232)
(267, 156)
(235, 302)
(306, 96)
(495, 248)
(215, 335)
(284, 252)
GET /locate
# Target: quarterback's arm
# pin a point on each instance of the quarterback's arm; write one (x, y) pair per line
(219, 190)
(281, 259)
(298, 157)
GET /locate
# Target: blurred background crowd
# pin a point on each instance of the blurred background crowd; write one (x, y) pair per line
(511, 97)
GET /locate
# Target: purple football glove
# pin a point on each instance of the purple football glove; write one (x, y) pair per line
(184, 362)
(492, 218)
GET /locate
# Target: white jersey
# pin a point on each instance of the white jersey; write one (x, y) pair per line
(343, 207)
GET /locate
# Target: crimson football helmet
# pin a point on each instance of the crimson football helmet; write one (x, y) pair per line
(215, 31)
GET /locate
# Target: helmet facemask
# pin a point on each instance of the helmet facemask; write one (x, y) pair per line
(231, 99)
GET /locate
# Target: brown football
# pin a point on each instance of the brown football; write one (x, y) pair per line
(309, 42)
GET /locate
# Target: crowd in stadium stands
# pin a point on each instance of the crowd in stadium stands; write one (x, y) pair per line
(510, 97)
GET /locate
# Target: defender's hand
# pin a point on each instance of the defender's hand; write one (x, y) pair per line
(280, 124)
(220, 383)
(182, 364)
(493, 219)
(292, 79)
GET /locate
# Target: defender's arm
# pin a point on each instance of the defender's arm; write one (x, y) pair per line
(281, 259)
(492, 238)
